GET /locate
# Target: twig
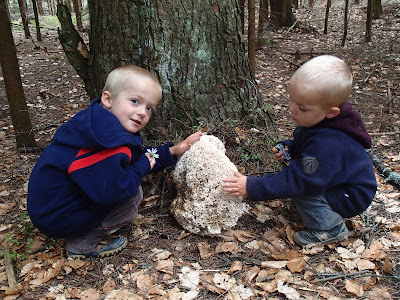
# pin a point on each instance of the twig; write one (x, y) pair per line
(342, 275)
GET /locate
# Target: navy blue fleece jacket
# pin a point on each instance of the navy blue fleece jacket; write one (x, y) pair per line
(328, 158)
(92, 164)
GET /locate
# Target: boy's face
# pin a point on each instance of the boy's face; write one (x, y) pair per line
(134, 105)
(306, 105)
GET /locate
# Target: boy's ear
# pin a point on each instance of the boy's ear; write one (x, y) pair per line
(333, 112)
(106, 99)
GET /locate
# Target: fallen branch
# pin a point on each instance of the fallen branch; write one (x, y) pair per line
(12, 282)
(389, 175)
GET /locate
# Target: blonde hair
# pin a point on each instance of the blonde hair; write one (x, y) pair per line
(121, 78)
(329, 75)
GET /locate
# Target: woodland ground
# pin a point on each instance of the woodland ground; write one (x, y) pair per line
(259, 251)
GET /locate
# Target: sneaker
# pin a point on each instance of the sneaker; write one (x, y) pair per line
(104, 249)
(324, 237)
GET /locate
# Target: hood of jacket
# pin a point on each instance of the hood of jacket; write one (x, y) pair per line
(95, 128)
(349, 121)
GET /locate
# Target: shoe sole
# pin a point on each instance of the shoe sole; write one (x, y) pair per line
(101, 254)
(336, 239)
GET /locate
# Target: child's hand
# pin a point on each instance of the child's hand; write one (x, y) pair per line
(235, 186)
(185, 145)
(279, 155)
(151, 160)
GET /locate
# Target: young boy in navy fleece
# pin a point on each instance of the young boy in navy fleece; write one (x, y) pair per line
(87, 182)
(330, 176)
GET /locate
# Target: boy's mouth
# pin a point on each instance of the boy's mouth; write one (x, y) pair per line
(137, 122)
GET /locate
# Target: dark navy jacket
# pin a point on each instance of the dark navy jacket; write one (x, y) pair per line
(328, 158)
(92, 164)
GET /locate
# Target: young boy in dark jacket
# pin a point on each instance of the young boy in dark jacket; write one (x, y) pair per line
(87, 182)
(330, 175)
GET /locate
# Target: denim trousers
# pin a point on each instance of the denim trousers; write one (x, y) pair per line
(88, 241)
(316, 212)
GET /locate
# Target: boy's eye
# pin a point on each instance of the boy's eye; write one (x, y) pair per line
(135, 101)
(302, 109)
(149, 109)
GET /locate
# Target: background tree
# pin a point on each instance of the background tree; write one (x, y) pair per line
(77, 10)
(368, 29)
(281, 13)
(35, 11)
(25, 22)
(376, 9)
(328, 6)
(346, 22)
(199, 58)
(13, 85)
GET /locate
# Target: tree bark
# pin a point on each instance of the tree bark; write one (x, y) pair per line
(194, 47)
(22, 10)
(328, 6)
(35, 11)
(77, 10)
(346, 21)
(242, 8)
(251, 34)
(13, 85)
(368, 29)
(75, 48)
(262, 19)
(376, 9)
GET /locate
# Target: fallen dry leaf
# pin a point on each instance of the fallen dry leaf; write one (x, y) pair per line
(354, 287)
(144, 282)
(166, 266)
(251, 274)
(274, 264)
(296, 265)
(231, 247)
(237, 265)
(205, 250)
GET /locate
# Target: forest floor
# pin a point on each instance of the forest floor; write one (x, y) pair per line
(257, 259)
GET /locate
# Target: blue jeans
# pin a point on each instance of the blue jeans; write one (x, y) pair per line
(316, 212)
(88, 241)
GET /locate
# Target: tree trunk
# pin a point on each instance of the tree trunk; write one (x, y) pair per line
(35, 11)
(199, 58)
(328, 6)
(346, 21)
(74, 48)
(22, 10)
(251, 34)
(77, 10)
(40, 7)
(376, 9)
(368, 30)
(242, 8)
(13, 85)
(281, 13)
(262, 20)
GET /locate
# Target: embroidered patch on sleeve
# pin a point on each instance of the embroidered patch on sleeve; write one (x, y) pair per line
(309, 164)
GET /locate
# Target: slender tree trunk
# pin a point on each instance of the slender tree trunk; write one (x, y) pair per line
(40, 7)
(22, 10)
(376, 9)
(262, 19)
(35, 11)
(368, 30)
(13, 85)
(242, 8)
(77, 10)
(251, 46)
(346, 21)
(328, 5)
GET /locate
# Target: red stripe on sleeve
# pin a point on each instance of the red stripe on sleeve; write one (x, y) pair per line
(83, 151)
(99, 156)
